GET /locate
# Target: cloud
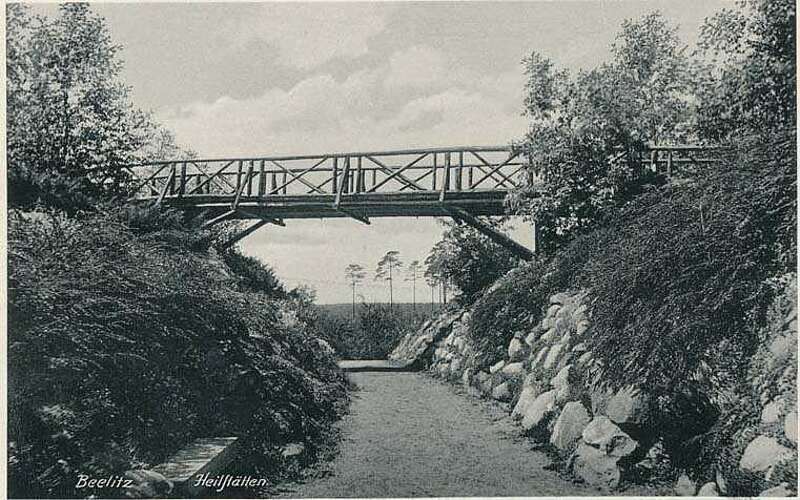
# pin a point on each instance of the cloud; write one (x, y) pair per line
(310, 34)
(417, 67)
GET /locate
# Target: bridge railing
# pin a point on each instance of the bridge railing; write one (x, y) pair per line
(461, 169)
(451, 169)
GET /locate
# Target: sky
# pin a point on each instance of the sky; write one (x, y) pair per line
(239, 79)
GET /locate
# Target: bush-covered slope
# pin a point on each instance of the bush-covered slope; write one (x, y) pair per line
(128, 337)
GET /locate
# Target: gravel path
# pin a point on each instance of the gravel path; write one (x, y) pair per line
(408, 435)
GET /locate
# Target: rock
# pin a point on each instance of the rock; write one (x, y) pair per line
(569, 425)
(708, 490)
(147, 484)
(782, 490)
(502, 392)
(552, 311)
(581, 327)
(563, 385)
(585, 358)
(526, 397)
(549, 335)
(497, 367)
(537, 361)
(628, 406)
(722, 483)
(762, 453)
(539, 409)
(685, 487)
(772, 412)
(455, 367)
(517, 350)
(552, 356)
(790, 426)
(596, 468)
(604, 434)
(513, 370)
(560, 298)
(466, 377)
(579, 347)
(579, 313)
(532, 337)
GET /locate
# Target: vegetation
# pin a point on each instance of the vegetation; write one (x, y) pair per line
(127, 340)
(355, 274)
(385, 271)
(130, 333)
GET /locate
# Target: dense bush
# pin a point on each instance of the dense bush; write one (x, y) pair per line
(125, 343)
(372, 335)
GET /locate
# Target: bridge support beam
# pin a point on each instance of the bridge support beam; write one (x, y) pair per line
(493, 234)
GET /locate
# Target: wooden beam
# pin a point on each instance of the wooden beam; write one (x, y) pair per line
(213, 176)
(400, 176)
(398, 172)
(353, 215)
(343, 183)
(495, 169)
(242, 185)
(298, 177)
(218, 219)
(245, 233)
(493, 234)
(166, 185)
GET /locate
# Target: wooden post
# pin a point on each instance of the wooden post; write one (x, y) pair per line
(374, 177)
(445, 177)
(250, 179)
(669, 163)
(654, 161)
(359, 176)
(239, 176)
(262, 179)
(273, 183)
(335, 175)
(182, 182)
(434, 171)
(460, 170)
(283, 182)
(536, 237)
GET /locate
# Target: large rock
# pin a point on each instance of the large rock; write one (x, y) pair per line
(560, 298)
(782, 490)
(596, 468)
(685, 487)
(539, 409)
(537, 360)
(762, 453)
(517, 350)
(709, 490)
(600, 398)
(513, 370)
(526, 397)
(497, 367)
(604, 434)
(502, 392)
(466, 377)
(563, 384)
(147, 484)
(790, 426)
(569, 425)
(628, 406)
(772, 412)
(553, 356)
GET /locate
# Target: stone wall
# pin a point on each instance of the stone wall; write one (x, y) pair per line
(548, 380)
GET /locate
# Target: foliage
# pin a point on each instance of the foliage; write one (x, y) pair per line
(253, 274)
(355, 274)
(70, 121)
(748, 77)
(124, 344)
(587, 132)
(468, 259)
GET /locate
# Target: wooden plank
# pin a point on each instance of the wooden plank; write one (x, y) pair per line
(166, 185)
(242, 186)
(182, 185)
(493, 234)
(262, 179)
(433, 169)
(388, 171)
(245, 233)
(213, 176)
(398, 173)
(335, 175)
(495, 169)
(299, 176)
(218, 219)
(204, 456)
(502, 179)
(445, 177)
(359, 176)
(343, 184)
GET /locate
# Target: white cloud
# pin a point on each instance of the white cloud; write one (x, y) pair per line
(309, 34)
(417, 67)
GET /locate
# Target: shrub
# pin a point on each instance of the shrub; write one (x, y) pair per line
(125, 343)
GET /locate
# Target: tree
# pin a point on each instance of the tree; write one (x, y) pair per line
(747, 78)
(579, 124)
(355, 275)
(70, 120)
(385, 268)
(468, 259)
(412, 273)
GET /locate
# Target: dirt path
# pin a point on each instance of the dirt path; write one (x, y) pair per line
(410, 436)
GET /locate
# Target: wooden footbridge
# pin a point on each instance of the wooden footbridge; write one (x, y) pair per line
(458, 182)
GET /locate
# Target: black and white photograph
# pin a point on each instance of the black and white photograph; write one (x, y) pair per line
(400, 249)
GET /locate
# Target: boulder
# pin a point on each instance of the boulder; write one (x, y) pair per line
(722, 483)
(772, 412)
(533, 337)
(581, 327)
(538, 410)
(579, 347)
(628, 406)
(560, 298)
(147, 484)
(709, 490)
(549, 336)
(553, 356)
(564, 386)
(684, 487)
(497, 367)
(539, 358)
(517, 350)
(604, 434)
(526, 397)
(596, 468)
(600, 398)
(455, 367)
(782, 490)
(569, 425)
(585, 358)
(762, 453)
(466, 377)
(502, 392)
(513, 370)
(552, 311)
(790, 426)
